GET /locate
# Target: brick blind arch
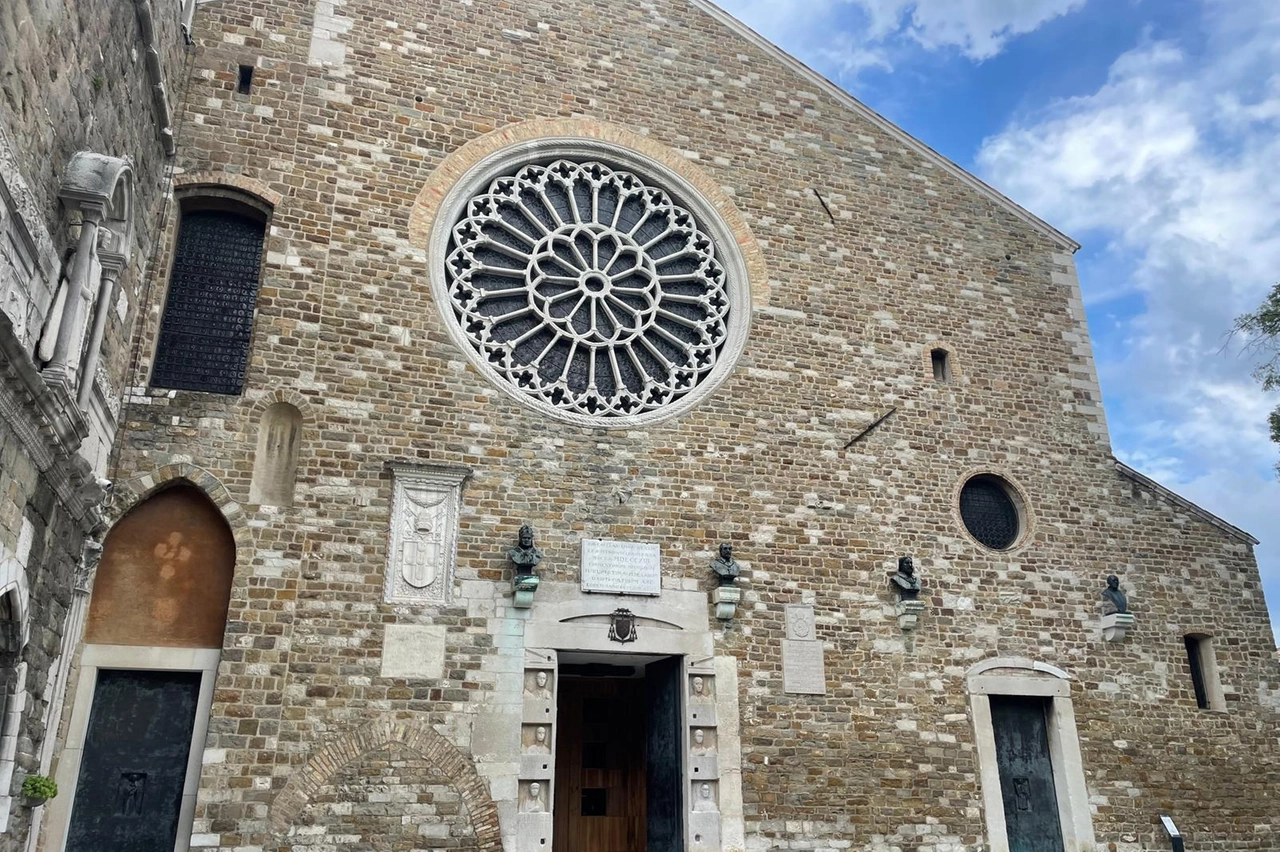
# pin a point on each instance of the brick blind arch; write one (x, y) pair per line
(420, 739)
(165, 574)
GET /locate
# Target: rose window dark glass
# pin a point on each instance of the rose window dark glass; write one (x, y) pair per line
(989, 512)
(208, 314)
(588, 289)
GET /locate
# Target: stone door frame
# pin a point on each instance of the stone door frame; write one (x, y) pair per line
(131, 658)
(1022, 677)
(675, 624)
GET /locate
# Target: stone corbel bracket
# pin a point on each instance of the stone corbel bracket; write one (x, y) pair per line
(1115, 625)
(908, 613)
(155, 71)
(525, 586)
(726, 599)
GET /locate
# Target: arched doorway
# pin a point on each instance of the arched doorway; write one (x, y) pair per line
(152, 642)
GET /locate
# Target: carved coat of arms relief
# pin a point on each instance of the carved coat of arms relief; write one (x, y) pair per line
(424, 528)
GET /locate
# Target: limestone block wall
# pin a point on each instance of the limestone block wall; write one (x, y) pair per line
(354, 109)
(40, 548)
(72, 78)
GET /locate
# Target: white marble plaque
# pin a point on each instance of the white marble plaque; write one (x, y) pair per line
(621, 567)
(413, 651)
(802, 667)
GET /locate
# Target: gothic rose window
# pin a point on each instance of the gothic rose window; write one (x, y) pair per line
(588, 289)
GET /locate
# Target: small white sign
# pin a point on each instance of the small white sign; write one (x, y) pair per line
(621, 567)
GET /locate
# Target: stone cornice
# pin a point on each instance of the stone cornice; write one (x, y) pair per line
(1182, 502)
(50, 427)
(155, 72)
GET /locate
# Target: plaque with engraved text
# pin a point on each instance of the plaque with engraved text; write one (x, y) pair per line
(621, 567)
(803, 672)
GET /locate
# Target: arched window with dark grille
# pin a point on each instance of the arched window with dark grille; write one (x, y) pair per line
(213, 288)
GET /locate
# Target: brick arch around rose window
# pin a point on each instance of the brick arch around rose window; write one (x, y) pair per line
(411, 735)
(543, 134)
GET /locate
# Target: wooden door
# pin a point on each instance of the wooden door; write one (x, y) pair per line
(129, 792)
(1026, 773)
(600, 765)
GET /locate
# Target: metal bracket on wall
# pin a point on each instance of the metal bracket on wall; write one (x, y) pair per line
(858, 437)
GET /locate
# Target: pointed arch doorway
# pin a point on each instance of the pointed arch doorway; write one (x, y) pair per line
(153, 638)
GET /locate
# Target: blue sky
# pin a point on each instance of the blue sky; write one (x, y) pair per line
(1149, 130)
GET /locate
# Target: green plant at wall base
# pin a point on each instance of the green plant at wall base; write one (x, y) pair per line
(98, 82)
(40, 787)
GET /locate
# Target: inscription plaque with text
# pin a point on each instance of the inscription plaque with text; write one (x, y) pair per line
(621, 567)
(803, 671)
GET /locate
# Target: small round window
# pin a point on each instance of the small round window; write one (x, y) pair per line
(989, 508)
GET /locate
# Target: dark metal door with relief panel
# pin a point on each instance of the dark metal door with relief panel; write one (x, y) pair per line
(1026, 773)
(134, 764)
(664, 752)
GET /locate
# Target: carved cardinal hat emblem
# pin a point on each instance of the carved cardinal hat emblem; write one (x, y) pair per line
(622, 626)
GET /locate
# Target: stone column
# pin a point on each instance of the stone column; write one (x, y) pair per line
(61, 369)
(112, 263)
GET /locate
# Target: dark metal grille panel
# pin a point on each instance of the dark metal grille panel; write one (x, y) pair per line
(989, 512)
(208, 318)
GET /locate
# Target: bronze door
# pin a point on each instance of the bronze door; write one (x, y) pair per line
(1026, 774)
(134, 765)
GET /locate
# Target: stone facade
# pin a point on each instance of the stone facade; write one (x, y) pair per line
(73, 78)
(829, 451)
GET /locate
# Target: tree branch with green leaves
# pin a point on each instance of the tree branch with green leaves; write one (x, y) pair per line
(1261, 328)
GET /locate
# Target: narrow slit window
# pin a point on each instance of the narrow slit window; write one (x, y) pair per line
(941, 365)
(1204, 672)
(245, 82)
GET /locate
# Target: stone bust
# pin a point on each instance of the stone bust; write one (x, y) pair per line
(533, 805)
(540, 740)
(724, 566)
(525, 555)
(704, 802)
(1114, 600)
(699, 741)
(905, 580)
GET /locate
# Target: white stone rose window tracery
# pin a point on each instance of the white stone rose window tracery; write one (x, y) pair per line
(588, 289)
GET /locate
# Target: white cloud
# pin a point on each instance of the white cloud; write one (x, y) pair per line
(872, 32)
(977, 28)
(1171, 164)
